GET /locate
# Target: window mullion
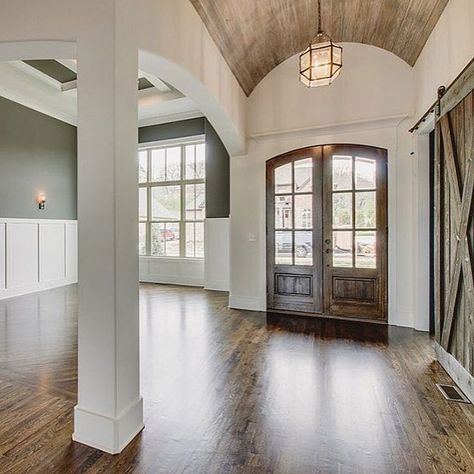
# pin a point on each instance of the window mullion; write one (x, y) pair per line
(182, 226)
(148, 213)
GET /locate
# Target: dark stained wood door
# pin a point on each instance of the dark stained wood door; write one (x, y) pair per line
(294, 231)
(327, 232)
(355, 231)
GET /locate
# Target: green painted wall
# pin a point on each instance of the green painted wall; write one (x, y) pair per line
(168, 131)
(37, 154)
(217, 175)
(217, 158)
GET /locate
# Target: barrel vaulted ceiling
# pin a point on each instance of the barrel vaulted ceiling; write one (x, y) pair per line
(254, 36)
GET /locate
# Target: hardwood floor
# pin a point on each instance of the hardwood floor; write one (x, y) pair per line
(230, 391)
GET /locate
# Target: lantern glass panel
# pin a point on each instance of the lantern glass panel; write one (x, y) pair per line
(304, 61)
(321, 56)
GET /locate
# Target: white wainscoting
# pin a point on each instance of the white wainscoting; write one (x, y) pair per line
(217, 251)
(36, 254)
(212, 272)
(176, 271)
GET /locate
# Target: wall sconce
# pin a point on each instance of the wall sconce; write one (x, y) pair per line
(41, 201)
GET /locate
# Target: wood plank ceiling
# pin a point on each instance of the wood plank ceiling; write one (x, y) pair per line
(254, 36)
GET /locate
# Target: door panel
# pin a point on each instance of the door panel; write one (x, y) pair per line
(355, 231)
(326, 231)
(294, 231)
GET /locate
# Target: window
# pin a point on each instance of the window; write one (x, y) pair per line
(353, 212)
(172, 200)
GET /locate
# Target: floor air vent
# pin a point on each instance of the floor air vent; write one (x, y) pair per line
(452, 393)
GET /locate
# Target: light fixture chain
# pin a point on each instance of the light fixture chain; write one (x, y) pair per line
(319, 16)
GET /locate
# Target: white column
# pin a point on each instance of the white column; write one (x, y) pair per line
(109, 411)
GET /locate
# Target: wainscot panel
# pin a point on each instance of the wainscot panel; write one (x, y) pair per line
(36, 254)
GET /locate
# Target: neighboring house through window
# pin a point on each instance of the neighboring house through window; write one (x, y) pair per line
(172, 199)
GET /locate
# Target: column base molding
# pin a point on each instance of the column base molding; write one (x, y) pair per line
(110, 435)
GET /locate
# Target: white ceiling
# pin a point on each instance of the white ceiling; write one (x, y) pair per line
(26, 85)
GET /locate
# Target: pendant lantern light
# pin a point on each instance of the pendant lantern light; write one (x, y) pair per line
(321, 62)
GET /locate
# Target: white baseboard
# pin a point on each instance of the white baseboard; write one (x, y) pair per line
(250, 303)
(172, 271)
(172, 280)
(400, 318)
(110, 435)
(463, 379)
(25, 290)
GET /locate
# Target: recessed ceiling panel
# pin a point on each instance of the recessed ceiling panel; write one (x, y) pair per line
(53, 69)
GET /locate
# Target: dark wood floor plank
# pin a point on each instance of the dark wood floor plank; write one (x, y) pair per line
(229, 391)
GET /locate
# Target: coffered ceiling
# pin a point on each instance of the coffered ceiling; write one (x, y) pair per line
(50, 86)
(254, 36)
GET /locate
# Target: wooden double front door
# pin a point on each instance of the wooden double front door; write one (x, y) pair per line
(327, 232)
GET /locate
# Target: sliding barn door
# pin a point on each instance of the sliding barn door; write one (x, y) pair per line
(327, 232)
(454, 229)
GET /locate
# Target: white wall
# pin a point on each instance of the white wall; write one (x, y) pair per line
(175, 271)
(36, 254)
(217, 254)
(368, 104)
(373, 84)
(448, 50)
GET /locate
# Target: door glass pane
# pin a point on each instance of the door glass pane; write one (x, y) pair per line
(304, 176)
(158, 165)
(166, 203)
(366, 249)
(284, 248)
(173, 163)
(342, 210)
(142, 238)
(342, 249)
(142, 166)
(365, 173)
(143, 204)
(165, 239)
(341, 173)
(304, 211)
(283, 179)
(304, 248)
(283, 212)
(365, 209)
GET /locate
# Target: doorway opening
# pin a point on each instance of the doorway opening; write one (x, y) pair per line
(327, 232)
